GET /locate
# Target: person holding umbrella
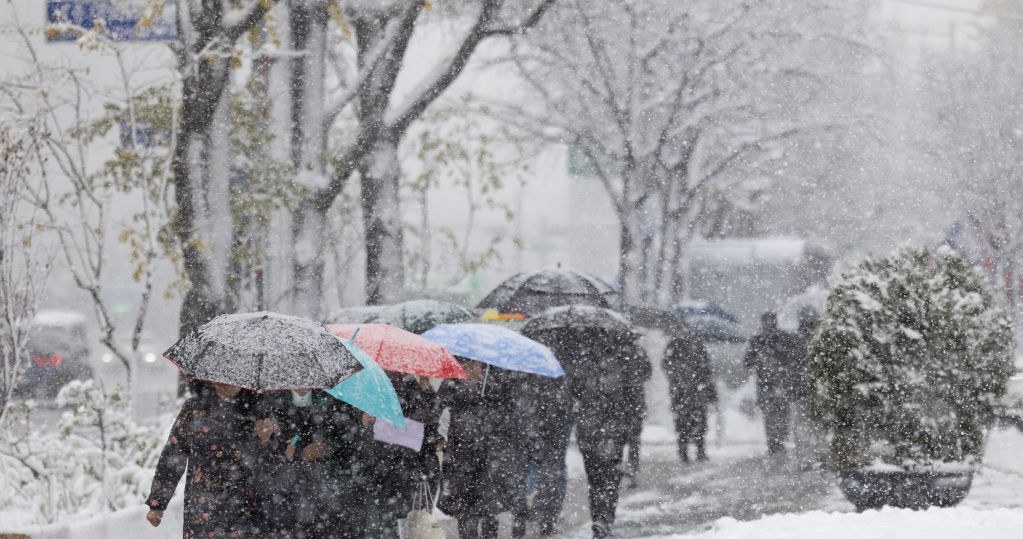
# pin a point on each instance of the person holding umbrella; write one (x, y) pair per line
(392, 474)
(484, 456)
(214, 440)
(309, 441)
(598, 348)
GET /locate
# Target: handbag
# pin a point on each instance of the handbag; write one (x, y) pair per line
(420, 522)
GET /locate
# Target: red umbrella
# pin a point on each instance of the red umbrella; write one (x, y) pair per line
(395, 349)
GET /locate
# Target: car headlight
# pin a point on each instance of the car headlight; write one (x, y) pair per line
(150, 357)
(107, 357)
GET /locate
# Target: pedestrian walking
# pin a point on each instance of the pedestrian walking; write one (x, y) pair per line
(216, 442)
(482, 460)
(637, 371)
(597, 382)
(543, 407)
(691, 386)
(392, 475)
(309, 442)
(808, 435)
(769, 356)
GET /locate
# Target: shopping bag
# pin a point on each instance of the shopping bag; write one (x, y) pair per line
(420, 523)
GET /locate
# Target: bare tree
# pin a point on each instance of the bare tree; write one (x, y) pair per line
(363, 69)
(208, 34)
(672, 105)
(77, 202)
(978, 141)
(24, 263)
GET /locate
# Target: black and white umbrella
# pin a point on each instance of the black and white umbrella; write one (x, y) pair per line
(535, 292)
(264, 351)
(580, 317)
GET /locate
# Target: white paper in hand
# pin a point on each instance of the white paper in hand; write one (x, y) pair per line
(411, 437)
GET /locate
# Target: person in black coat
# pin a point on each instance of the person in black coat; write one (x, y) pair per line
(309, 442)
(216, 442)
(546, 404)
(482, 457)
(637, 372)
(770, 356)
(391, 475)
(686, 364)
(597, 381)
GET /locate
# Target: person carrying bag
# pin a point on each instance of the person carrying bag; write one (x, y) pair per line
(420, 523)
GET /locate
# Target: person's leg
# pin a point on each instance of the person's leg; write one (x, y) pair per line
(488, 527)
(775, 425)
(602, 461)
(700, 432)
(683, 428)
(468, 527)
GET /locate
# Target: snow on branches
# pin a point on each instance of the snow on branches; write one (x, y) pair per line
(910, 360)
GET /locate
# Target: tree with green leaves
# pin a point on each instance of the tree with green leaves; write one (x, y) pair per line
(910, 360)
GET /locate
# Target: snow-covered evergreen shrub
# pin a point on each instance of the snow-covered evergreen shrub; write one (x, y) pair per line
(909, 361)
(95, 459)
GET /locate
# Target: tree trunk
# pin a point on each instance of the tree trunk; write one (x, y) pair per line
(308, 28)
(195, 151)
(310, 224)
(380, 176)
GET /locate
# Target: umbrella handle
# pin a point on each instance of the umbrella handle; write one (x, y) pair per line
(354, 334)
(486, 374)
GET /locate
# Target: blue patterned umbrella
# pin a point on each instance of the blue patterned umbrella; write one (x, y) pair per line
(498, 346)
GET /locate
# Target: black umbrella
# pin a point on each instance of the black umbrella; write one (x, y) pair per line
(532, 293)
(264, 351)
(579, 317)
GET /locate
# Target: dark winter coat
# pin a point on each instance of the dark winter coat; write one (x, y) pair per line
(798, 380)
(686, 364)
(216, 442)
(599, 383)
(770, 356)
(299, 496)
(483, 458)
(393, 471)
(637, 371)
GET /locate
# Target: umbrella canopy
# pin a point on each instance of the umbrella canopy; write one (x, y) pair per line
(420, 315)
(263, 350)
(665, 320)
(356, 315)
(395, 349)
(497, 346)
(369, 389)
(532, 293)
(711, 322)
(579, 317)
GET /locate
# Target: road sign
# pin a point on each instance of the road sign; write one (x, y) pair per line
(124, 19)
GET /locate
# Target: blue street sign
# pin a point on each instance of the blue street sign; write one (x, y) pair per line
(121, 18)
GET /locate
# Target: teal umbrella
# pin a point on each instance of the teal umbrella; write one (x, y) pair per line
(369, 389)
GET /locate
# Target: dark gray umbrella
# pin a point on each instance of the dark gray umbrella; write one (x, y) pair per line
(264, 351)
(420, 315)
(581, 317)
(532, 293)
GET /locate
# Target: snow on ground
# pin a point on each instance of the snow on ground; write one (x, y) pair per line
(950, 523)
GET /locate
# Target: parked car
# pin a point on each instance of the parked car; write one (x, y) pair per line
(58, 353)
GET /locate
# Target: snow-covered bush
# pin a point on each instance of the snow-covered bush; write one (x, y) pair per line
(909, 361)
(94, 459)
